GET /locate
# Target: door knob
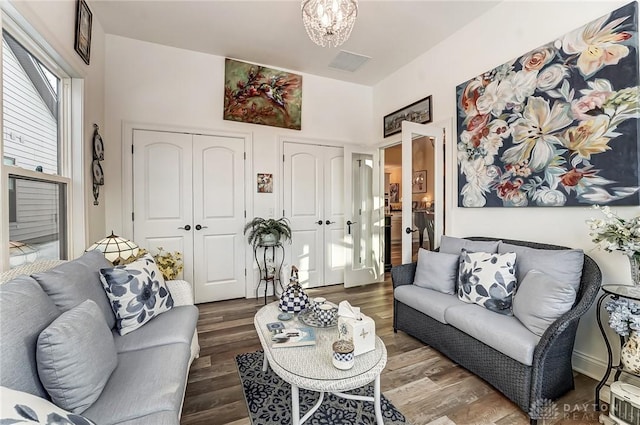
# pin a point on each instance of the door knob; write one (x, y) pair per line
(329, 222)
(187, 227)
(349, 223)
(320, 222)
(408, 230)
(198, 227)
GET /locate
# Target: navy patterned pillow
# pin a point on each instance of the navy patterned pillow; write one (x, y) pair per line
(488, 280)
(137, 292)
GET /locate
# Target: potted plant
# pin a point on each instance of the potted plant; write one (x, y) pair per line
(267, 232)
(624, 318)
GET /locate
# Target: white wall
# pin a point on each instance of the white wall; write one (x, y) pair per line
(154, 84)
(54, 21)
(507, 31)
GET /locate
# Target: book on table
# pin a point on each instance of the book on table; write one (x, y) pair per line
(293, 337)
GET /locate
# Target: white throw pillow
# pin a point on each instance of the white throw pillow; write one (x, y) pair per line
(137, 292)
(437, 271)
(76, 355)
(17, 407)
(488, 280)
(541, 300)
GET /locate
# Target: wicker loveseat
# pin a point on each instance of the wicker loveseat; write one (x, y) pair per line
(550, 374)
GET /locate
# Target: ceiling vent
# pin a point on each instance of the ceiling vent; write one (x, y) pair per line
(347, 61)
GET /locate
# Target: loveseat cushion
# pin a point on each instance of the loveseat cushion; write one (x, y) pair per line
(71, 283)
(437, 271)
(25, 310)
(564, 265)
(144, 382)
(76, 356)
(488, 280)
(503, 333)
(452, 245)
(137, 292)
(541, 300)
(432, 303)
(17, 406)
(175, 325)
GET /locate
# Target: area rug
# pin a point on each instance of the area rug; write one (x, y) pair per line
(269, 400)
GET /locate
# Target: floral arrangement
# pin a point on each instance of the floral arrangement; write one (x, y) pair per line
(614, 233)
(539, 130)
(169, 263)
(624, 316)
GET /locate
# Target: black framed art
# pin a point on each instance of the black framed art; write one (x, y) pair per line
(418, 112)
(83, 31)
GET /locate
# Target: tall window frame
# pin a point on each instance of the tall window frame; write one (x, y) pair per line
(65, 176)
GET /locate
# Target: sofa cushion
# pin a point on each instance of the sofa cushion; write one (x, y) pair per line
(563, 265)
(503, 333)
(76, 356)
(159, 418)
(541, 300)
(452, 245)
(73, 282)
(488, 280)
(17, 407)
(144, 382)
(25, 310)
(432, 303)
(437, 271)
(137, 292)
(176, 325)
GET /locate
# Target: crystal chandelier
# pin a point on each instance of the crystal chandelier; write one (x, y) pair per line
(329, 22)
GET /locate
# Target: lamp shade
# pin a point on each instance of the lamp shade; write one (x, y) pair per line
(21, 253)
(115, 248)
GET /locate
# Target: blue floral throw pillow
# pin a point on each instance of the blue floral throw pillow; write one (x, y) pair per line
(17, 407)
(488, 280)
(137, 293)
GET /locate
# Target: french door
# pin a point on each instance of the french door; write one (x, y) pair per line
(313, 201)
(189, 197)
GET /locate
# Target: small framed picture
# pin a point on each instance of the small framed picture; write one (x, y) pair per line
(419, 112)
(83, 31)
(419, 182)
(265, 183)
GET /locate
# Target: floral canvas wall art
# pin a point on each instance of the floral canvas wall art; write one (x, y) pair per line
(260, 95)
(558, 126)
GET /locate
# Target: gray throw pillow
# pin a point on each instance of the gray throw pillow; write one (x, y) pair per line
(137, 291)
(452, 245)
(76, 356)
(71, 283)
(541, 300)
(488, 280)
(563, 265)
(437, 271)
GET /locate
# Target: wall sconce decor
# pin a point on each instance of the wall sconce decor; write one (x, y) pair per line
(96, 168)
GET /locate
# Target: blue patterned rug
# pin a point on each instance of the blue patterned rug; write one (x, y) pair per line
(269, 400)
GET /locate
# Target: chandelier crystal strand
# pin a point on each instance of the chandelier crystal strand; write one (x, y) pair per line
(329, 22)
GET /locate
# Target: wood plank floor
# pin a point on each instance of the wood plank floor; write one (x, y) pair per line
(424, 385)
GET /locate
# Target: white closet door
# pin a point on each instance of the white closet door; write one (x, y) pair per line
(334, 248)
(162, 193)
(304, 207)
(218, 217)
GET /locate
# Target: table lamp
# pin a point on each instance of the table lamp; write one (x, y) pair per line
(115, 248)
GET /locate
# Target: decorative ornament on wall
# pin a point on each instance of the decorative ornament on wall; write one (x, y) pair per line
(259, 95)
(557, 126)
(96, 168)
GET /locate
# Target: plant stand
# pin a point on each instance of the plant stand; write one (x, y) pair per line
(263, 261)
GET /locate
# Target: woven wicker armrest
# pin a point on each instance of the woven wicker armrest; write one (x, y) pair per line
(403, 274)
(181, 292)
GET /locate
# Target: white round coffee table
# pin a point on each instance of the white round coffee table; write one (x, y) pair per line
(311, 368)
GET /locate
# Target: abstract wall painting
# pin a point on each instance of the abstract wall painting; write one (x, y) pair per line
(558, 126)
(259, 95)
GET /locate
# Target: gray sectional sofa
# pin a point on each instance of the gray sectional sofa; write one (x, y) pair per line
(148, 378)
(526, 367)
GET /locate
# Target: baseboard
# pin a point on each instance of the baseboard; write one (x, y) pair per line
(588, 365)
